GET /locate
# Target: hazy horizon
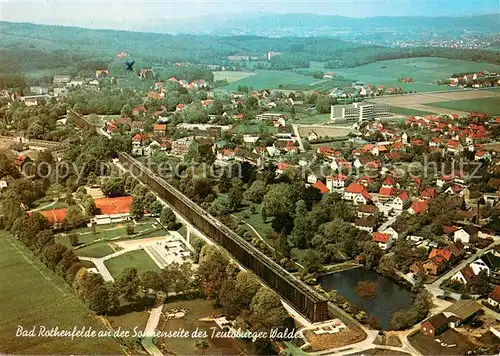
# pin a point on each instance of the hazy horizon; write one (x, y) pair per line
(110, 14)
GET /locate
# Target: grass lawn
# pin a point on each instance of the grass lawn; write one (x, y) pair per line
(271, 79)
(424, 70)
(254, 129)
(490, 106)
(409, 112)
(97, 250)
(138, 259)
(33, 296)
(57, 205)
(232, 76)
(315, 119)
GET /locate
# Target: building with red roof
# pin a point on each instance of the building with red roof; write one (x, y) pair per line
(321, 187)
(419, 207)
(494, 297)
(357, 193)
(383, 240)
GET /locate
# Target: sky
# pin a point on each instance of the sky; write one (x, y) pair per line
(109, 14)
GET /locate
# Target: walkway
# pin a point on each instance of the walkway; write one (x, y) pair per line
(154, 319)
(299, 139)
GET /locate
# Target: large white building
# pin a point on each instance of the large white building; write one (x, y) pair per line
(358, 112)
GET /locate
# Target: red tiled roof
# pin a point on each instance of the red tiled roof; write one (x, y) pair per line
(355, 188)
(385, 191)
(495, 294)
(403, 196)
(139, 108)
(441, 253)
(420, 206)
(321, 187)
(381, 237)
(428, 193)
(449, 229)
(160, 127)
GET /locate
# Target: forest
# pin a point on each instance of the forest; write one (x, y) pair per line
(74, 49)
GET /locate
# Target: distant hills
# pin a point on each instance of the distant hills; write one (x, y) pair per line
(318, 25)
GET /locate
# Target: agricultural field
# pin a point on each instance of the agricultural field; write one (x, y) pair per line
(138, 259)
(232, 76)
(490, 106)
(423, 70)
(52, 303)
(271, 79)
(409, 112)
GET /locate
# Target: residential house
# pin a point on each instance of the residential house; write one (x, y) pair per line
(140, 142)
(467, 234)
(365, 210)
(160, 129)
(464, 276)
(494, 298)
(478, 266)
(435, 325)
(366, 224)
(434, 266)
(383, 240)
(454, 146)
(139, 110)
(181, 146)
(321, 187)
(357, 193)
(384, 194)
(428, 193)
(336, 182)
(419, 207)
(402, 201)
(482, 156)
(417, 267)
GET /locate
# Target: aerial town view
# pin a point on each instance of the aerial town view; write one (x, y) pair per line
(250, 178)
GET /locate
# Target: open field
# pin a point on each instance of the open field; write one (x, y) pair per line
(424, 102)
(409, 112)
(97, 250)
(423, 70)
(197, 309)
(490, 106)
(138, 259)
(254, 129)
(314, 119)
(428, 346)
(33, 296)
(323, 131)
(271, 79)
(231, 76)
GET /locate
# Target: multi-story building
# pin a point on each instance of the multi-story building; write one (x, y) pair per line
(61, 79)
(358, 112)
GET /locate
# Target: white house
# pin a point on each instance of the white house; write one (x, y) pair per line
(464, 276)
(336, 182)
(383, 240)
(478, 266)
(401, 201)
(466, 234)
(494, 297)
(357, 193)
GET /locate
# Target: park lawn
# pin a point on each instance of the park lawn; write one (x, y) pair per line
(254, 129)
(314, 119)
(271, 79)
(409, 112)
(32, 295)
(424, 70)
(97, 250)
(231, 76)
(138, 259)
(57, 205)
(490, 106)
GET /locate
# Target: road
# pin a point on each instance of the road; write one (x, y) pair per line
(299, 139)
(434, 287)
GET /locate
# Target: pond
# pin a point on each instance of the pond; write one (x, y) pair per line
(390, 296)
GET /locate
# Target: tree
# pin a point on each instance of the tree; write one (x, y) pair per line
(73, 239)
(212, 270)
(228, 299)
(100, 300)
(366, 289)
(481, 283)
(130, 229)
(127, 284)
(256, 191)
(224, 183)
(279, 200)
(74, 217)
(155, 208)
(151, 280)
(168, 218)
(311, 261)
(43, 238)
(267, 312)
(246, 287)
(113, 187)
(137, 208)
(235, 197)
(221, 206)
